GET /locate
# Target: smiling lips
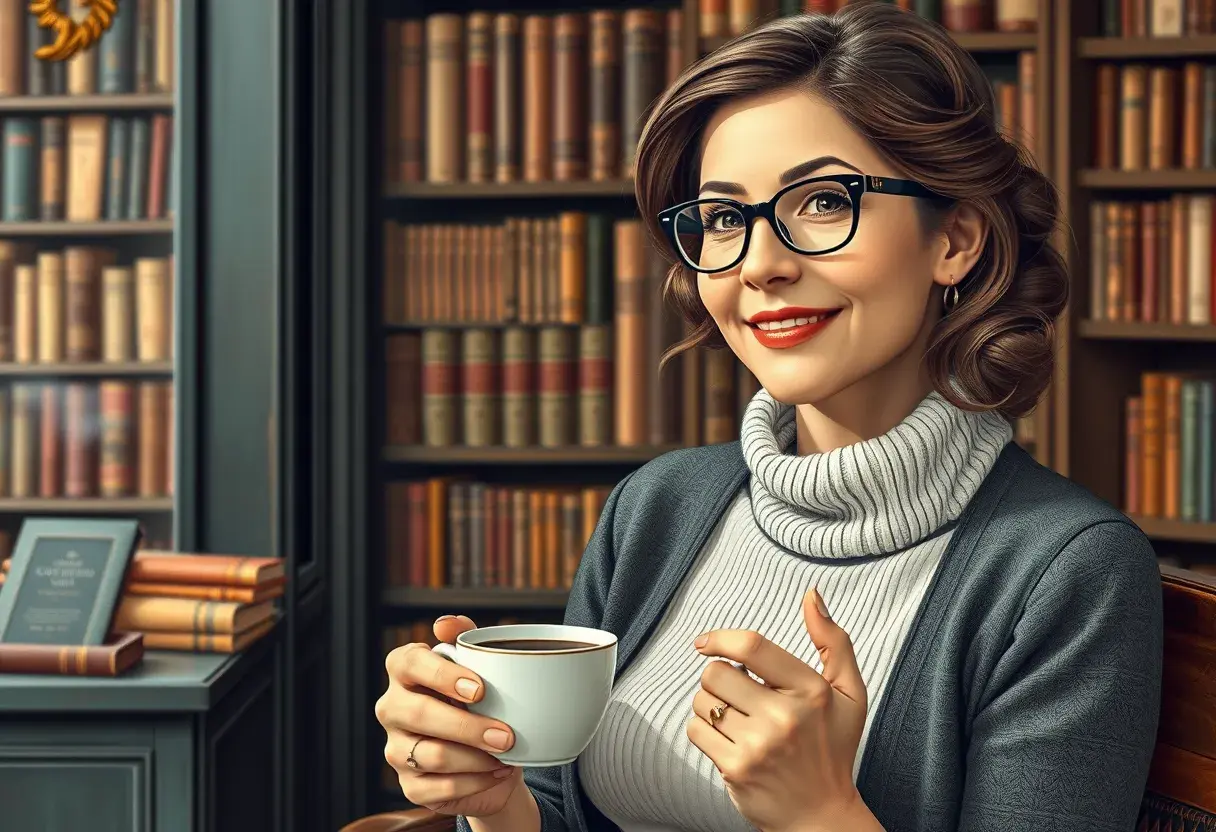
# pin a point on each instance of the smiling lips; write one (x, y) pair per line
(790, 326)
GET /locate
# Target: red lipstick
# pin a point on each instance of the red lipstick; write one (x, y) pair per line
(789, 326)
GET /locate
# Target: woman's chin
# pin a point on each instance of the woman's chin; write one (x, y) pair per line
(798, 389)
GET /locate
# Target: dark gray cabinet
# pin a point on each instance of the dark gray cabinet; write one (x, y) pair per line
(184, 743)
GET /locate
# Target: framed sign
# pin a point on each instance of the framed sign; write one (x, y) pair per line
(65, 578)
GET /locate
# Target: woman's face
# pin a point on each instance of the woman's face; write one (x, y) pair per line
(871, 304)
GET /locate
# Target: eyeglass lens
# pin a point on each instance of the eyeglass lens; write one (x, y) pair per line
(814, 217)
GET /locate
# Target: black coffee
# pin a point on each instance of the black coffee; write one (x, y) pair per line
(537, 645)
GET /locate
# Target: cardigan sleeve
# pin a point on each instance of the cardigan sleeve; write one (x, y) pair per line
(1067, 725)
(584, 608)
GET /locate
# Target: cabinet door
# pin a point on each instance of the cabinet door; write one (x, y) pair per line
(59, 776)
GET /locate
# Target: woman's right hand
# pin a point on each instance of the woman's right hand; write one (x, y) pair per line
(423, 712)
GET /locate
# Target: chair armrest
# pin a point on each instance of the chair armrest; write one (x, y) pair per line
(413, 820)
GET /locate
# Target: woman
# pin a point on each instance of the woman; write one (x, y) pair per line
(874, 611)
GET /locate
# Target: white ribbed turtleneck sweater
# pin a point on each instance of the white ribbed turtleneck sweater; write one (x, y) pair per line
(867, 524)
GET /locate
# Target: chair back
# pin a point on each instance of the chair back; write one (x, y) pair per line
(1181, 791)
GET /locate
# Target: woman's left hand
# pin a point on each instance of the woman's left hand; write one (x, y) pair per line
(785, 748)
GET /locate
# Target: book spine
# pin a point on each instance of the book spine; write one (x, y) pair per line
(605, 95)
(556, 387)
(537, 95)
(507, 147)
(1188, 451)
(518, 387)
(137, 186)
(479, 99)
(116, 55)
(439, 388)
(50, 330)
(118, 159)
(81, 312)
(50, 443)
(403, 366)
(458, 535)
(643, 42)
(444, 78)
(418, 572)
(117, 418)
(20, 170)
(80, 440)
(52, 169)
(479, 379)
(475, 525)
(595, 385)
(153, 437)
(572, 241)
(630, 334)
(25, 436)
(569, 97)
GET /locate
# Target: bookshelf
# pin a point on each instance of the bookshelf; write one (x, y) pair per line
(1139, 218)
(404, 197)
(87, 297)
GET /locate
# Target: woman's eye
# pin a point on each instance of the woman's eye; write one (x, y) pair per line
(826, 202)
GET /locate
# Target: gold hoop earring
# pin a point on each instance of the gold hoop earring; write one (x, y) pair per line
(950, 296)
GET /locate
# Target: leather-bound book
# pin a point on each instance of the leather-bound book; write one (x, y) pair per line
(440, 388)
(538, 98)
(479, 98)
(445, 57)
(556, 387)
(570, 96)
(508, 150)
(605, 95)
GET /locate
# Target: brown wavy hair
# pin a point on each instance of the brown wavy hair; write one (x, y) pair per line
(922, 100)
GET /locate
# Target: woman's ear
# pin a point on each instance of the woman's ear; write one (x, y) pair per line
(962, 237)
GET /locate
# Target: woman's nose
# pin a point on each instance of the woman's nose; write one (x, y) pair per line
(767, 260)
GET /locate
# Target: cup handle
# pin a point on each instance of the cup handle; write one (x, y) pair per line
(448, 651)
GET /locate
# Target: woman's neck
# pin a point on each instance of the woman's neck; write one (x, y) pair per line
(863, 410)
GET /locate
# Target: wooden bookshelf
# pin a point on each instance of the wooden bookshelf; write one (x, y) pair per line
(85, 505)
(495, 598)
(616, 188)
(1104, 358)
(101, 228)
(1146, 47)
(523, 456)
(1123, 331)
(92, 369)
(1176, 531)
(1148, 180)
(86, 103)
(67, 401)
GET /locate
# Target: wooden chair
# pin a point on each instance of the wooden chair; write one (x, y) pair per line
(1181, 793)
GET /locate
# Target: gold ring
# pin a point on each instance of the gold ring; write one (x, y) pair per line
(716, 713)
(409, 760)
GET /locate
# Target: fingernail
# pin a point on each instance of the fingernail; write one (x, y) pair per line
(504, 772)
(467, 688)
(497, 738)
(444, 617)
(823, 608)
(702, 640)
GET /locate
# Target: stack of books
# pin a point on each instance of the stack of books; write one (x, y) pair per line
(198, 603)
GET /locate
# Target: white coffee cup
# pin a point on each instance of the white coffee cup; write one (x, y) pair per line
(553, 699)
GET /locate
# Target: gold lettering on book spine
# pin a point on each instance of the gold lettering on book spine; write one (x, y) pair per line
(72, 37)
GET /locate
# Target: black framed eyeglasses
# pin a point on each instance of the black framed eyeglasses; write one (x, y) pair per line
(812, 216)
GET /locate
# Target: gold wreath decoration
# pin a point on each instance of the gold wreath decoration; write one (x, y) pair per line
(72, 37)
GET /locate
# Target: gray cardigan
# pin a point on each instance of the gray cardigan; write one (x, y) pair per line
(1028, 689)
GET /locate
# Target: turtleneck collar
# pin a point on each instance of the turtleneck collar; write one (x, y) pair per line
(874, 497)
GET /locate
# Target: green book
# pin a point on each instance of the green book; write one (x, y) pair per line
(1206, 425)
(1190, 447)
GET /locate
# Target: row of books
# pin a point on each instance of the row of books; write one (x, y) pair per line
(86, 167)
(86, 439)
(1151, 261)
(955, 15)
(452, 532)
(1157, 18)
(524, 97)
(538, 269)
(1017, 101)
(1170, 428)
(1155, 117)
(558, 387)
(197, 603)
(136, 55)
(76, 304)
